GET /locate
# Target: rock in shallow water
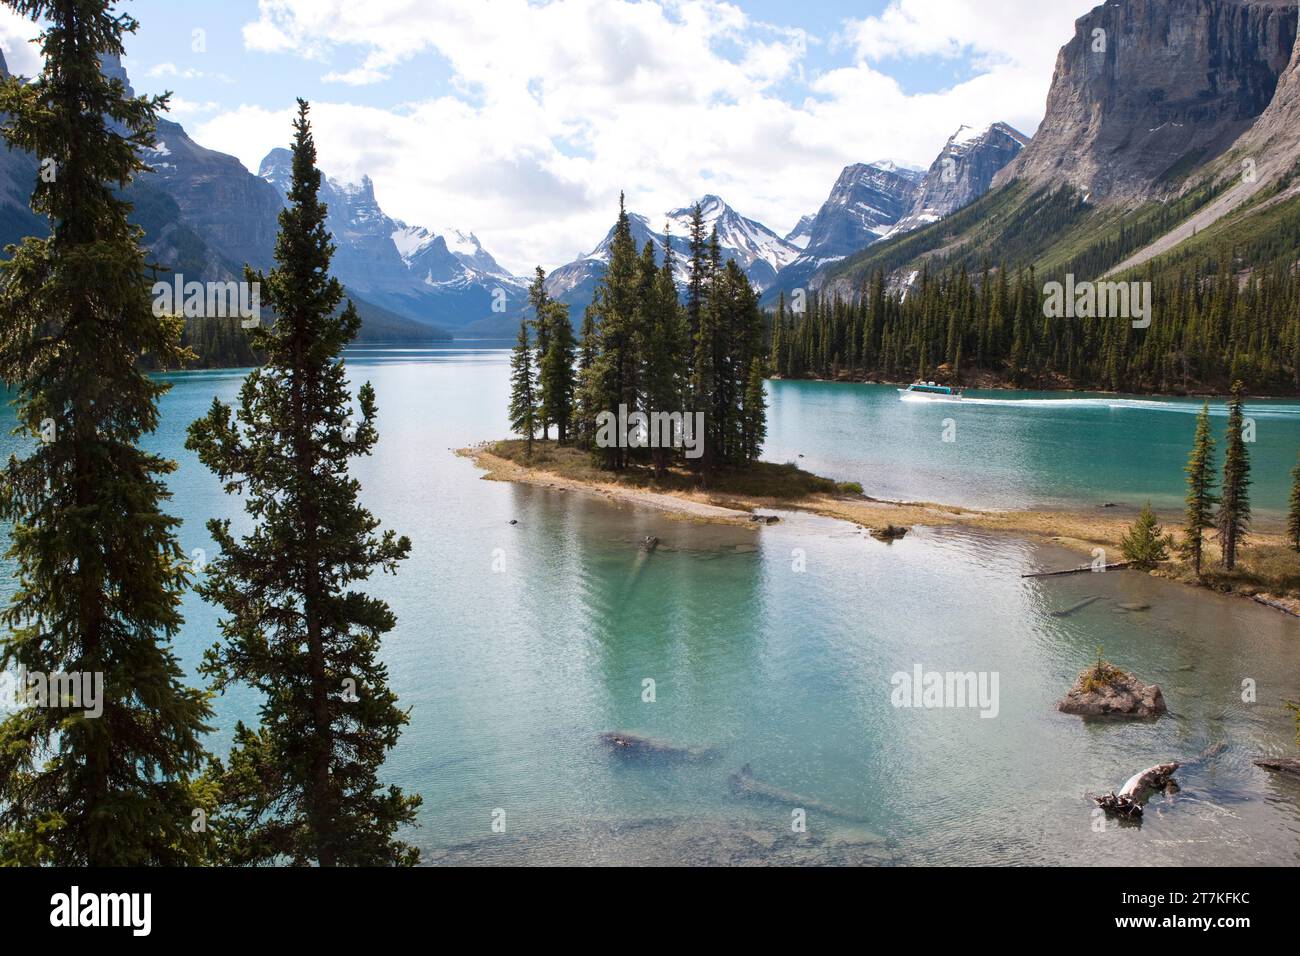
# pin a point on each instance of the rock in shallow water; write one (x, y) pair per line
(1107, 691)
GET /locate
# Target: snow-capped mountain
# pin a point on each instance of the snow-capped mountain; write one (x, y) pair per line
(962, 172)
(442, 276)
(759, 251)
(755, 248)
(801, 233)
(864, 204)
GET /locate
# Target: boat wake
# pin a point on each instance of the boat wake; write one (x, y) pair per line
(1219, 409)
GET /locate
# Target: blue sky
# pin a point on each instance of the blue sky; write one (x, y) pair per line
(522, 121)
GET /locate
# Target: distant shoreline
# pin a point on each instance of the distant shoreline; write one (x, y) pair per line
(1075, 530)
(983, 384)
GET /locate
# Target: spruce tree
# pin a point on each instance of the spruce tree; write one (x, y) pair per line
(100, 573)
(1293, 513)
(1145, 544)
(588, 351)
(755, 413)
(557, 380)
(523, 389)
(304, 786)
(612, 379)
(1234, 501)
(699, 271)
(540, 302)
(1200, 499)
(664, 351)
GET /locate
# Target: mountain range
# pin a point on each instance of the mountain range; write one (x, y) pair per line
(867, 203)
(1171, 137)
(1170, 126)
(206, 216)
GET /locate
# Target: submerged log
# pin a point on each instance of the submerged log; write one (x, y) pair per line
(637, 745)
(1288, 765)
(1086, 567)
(1209, 753)
(1074, 607)
(1131, 797)
(744, 783)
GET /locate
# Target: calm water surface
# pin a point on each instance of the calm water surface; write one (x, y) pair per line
(511, 675)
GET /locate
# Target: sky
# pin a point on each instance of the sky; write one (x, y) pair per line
(522, 121)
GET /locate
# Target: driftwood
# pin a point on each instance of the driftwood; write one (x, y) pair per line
(744, 783)
(1074, 607)
(1128, 802)
(1289, 765)
(1086, 567)
(637, 745)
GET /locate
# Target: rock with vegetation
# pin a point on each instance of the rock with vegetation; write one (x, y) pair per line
(1103, 690)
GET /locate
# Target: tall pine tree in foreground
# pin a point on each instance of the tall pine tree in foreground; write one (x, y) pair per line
(100, 572)
(1200, 499)
(304, 787)
(1234, 501)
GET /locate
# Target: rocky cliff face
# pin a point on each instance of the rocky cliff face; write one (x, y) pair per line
(1148, 90)
(232, 210)
(1273, 142)
(962, 173)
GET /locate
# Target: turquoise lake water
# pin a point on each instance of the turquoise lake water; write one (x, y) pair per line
(775, 646)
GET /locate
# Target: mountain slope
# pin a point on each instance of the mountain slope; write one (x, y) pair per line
(961, 173)
(1099, 189)
(1257, 165)
(204, 216)
(408, 270)
(865, 202)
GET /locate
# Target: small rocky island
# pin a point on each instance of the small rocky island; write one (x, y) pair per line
(1103, 690)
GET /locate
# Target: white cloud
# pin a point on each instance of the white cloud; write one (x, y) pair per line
(555, 107)
(178, 107)
(183, 73)
(22, 57)
(361, 76)
(1026, 33)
